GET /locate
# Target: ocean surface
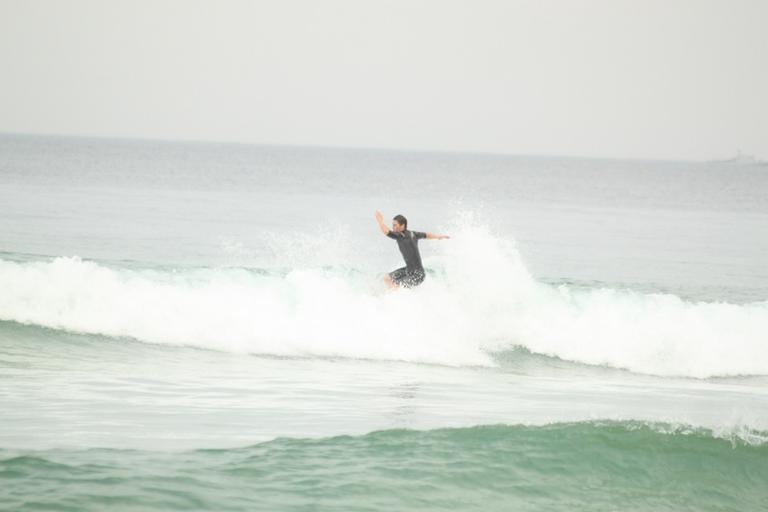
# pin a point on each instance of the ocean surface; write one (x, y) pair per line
(203, 326)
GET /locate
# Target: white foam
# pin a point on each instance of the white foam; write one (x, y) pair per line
(483, 299)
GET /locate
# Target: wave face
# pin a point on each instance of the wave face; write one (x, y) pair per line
(569, 467)
(479, 299)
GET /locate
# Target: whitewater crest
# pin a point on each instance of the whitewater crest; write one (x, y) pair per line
(478, 299)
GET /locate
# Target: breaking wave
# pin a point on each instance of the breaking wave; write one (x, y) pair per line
(479, 299)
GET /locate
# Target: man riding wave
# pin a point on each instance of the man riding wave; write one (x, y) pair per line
(412, 274)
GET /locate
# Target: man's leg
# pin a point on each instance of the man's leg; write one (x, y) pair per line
(394, 278)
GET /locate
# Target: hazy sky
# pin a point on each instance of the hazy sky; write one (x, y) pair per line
(659, 79)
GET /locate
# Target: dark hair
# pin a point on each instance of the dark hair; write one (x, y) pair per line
(401, 220)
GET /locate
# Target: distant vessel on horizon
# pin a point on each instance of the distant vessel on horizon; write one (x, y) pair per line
(741, 158)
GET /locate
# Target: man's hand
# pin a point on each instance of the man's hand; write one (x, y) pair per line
(436, 236)
(379, 216)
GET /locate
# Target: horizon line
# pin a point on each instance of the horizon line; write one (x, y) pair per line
(341, 147)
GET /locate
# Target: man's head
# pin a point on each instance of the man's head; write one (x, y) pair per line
(399, 223)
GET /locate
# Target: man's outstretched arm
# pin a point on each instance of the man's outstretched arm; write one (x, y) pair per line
(435, 236)
(380, 220)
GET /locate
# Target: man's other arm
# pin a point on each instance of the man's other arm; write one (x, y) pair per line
(380, 220)
(436, 236)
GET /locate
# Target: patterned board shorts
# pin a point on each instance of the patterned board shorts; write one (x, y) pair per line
(407, 278)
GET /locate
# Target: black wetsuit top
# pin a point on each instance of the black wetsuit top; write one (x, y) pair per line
(408, 243)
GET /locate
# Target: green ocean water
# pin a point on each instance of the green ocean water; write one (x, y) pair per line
(563, 467)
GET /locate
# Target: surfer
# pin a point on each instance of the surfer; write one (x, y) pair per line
(412, 274)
